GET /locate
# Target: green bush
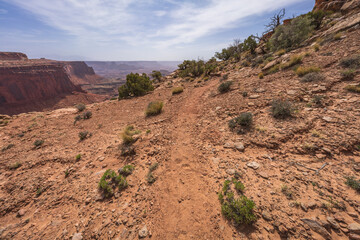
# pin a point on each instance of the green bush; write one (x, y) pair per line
(291, 35)
(154, 108)
(192, 68)
(177, 90)
(78, 157)
(84, 135)
(352, 62)
(126, 170)
(245, 120)
(7, 147)
(224, 87)
(313, 77)
(348, 75)
(294, 60)
(156, 75)
(250, 44)
(317, 17)
(353, 183)
(239, 210)
(80, 107)
(281, 109)
(136, 85)
(110, 180)
(87, 115)
(38, 143)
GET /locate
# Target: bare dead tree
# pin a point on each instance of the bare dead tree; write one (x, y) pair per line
(275, 21)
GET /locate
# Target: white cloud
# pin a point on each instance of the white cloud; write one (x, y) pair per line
(3, 11)
(135, 21)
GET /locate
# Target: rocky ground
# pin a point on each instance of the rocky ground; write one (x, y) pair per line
(294, 169)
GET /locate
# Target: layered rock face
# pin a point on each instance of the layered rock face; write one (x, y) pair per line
(10, 56)
(81, 73)
(337, 5)
(38, 85)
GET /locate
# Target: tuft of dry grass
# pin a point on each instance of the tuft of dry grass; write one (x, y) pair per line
(302, 71)
(177, 90)
(154, 108)
(353, 88)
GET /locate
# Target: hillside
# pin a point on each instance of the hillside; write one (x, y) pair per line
(294, 168)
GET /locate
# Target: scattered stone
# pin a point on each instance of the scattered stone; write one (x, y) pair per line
(20, 213)
(239, 146)
(354, 236)
(312, 204)
(228, 145)
(263, 175)
(353, 214)
(315, 226)
(253, 165)
(216, 161)
(354, 227)
(333, 223)
(143, 232)
(291, 92)
(304, 207)
(320, 156)
(267, 216)
(339, 217)
(230, 171)
(77, 236)
(327, 119)
(255, 96)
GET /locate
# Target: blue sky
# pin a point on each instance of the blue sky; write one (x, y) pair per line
(111, 30)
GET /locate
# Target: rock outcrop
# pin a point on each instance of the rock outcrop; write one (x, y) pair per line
(9, 56)
(337, 5)
(36, 85)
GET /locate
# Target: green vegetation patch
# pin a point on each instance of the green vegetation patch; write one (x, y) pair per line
(154, 108)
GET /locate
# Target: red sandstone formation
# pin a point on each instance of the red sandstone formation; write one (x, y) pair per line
(9, 56)
(337, 5)
(36, 85)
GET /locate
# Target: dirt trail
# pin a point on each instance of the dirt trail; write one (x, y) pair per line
(188, 206)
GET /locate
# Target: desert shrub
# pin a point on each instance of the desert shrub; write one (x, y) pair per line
(110, 180)
(127, 150)
(15, 166)
(337, 36)
(281, 109)
(224, 87)
(156, 75)
(317, 17)
(241, 123)
(261, 75)
(7, 147)
(286, 191)
(318, 99)
(316, 47)
(38, 143)
(352, 62)
(193, 68)
(150, 178)
(154, 108)
(84, 135)
(67, 172)
(291, 35)
(273, 70)
(128, 133)
(77, 118)
(80, 107)
(244, 94)
(225, 77)
(87, 115)
(177, 90)
(353, 183)
(313, 77)
(302, 71)
(294, 60)
(39, 191)
(348, 75)
(250, 44)
(239, 210)
(153, 167)
(136, 85)
(78, 157)
(126, 170)
(353, 88)
(280, 52)
(239, 186)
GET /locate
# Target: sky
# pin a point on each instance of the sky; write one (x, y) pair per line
(131, 30)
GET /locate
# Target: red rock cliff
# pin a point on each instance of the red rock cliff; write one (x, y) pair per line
(12, 56)
(81, 73)
(337, 5)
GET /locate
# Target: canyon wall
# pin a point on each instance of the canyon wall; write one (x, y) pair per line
(81, 73)
(10, 56)
(337, 5)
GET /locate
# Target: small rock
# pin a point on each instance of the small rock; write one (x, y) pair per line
(239, 146)
(20, 213)
(253, 165)
(77, 236)
(228, 145)
(216, 161)
(320, 156)
(143, 232)
(266, 215)
(230, 171)
(333, 223)
(312, 204)
(315, 226)
(354, 227)
(339, 217)
(263, 175)
(327, 119)
(304, 207)
(87, 201)
(101, 159)
(353, 214)
(354, 236)
(254, 96)
(291, 92)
